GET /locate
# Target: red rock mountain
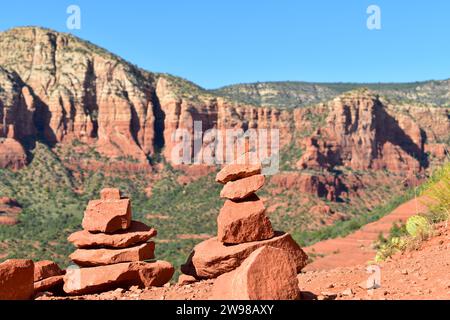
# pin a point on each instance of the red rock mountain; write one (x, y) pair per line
(57, 88)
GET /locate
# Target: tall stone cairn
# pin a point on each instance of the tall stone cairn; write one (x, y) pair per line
(245, 239)
(113, 251)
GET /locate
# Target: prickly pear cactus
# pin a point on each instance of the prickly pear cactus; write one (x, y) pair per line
(417, 225)
(398, 242)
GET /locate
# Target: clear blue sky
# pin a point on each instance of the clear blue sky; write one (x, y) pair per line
(215, 43)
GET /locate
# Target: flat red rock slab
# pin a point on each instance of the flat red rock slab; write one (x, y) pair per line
(137, 233)
(16, 279)
(267, 274)
(100, 257)
(122, 275)
(52, 284)
(46, 269)
(242, 188)
(184, 279)
(245, 166)
(243, 221)
(107, 216)
(211, 258)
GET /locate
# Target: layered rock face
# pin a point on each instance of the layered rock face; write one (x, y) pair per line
(63, 88)
(12, 154)
(361, 133)
(56, 87)
(112, 249)
(59, 88)
(240, 255)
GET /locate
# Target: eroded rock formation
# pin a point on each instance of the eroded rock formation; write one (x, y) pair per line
(361, 133)
(58, 88)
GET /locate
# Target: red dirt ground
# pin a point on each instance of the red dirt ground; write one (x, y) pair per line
(357, 248)
(419, 274)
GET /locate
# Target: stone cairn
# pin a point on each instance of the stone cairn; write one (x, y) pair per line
(112, 250)
(249, 258)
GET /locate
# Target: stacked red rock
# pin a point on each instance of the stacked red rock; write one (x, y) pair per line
(112, 249)
(245, 238)
(48, 277)
(242, 218)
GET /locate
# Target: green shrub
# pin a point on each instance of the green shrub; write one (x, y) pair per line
(418, 226)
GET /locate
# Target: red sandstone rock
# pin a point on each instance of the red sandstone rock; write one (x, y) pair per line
(438, 150)
(46, 269)
(137, 233)
(121, 275)
(212, 258)
(185, 279)
(107, 216)
(12, 154)
(267, 274)
(16, 279)
(245, 166)
(10, 210)
(51, 284)
(99, 257)
(9, 202)
(110, 194)
(243, 221)
(361, 133)
(326, 185)
(121, 130)
(242, 188)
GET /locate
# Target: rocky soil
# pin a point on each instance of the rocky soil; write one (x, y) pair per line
(413, 275)
(418, 274)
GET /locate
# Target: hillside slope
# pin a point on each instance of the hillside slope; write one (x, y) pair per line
(293, 94)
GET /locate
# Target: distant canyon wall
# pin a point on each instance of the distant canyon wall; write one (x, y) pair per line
(57, 88)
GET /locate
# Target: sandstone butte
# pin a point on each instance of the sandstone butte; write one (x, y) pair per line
(359, 130)
(137, 233)
(104, 278)
(243, 221)
(16, 279)
(12, 154)
(101, 257)
(267, 274)
(240, 189)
